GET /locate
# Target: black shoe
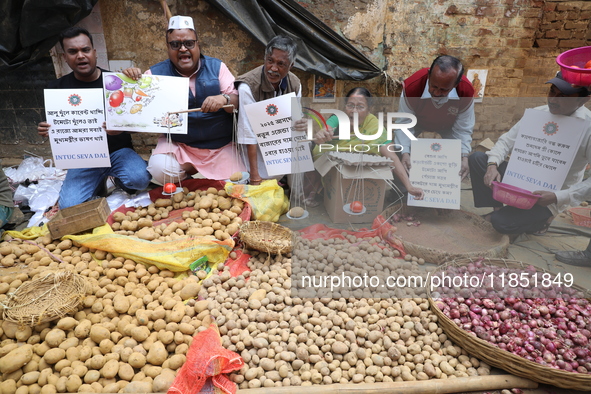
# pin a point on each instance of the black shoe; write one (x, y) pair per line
(125, 189)
(579, 258)
(102, 189)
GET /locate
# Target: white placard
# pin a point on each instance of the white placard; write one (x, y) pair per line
(271, 121)
(143, 105)
(76, 135)
(435, 168)
(544, 150)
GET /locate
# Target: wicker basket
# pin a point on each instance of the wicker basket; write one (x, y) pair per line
(496, 248)
(45, 299)
(266, 237)
(502, 359)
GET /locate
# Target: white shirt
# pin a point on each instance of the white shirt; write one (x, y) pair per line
(246, 135)
(461, 130)
(574, 190)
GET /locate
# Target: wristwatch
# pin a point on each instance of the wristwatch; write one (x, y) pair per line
(227, 97)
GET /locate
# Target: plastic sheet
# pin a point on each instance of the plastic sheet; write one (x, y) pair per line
(30, 28)
(268, 200)
(321, 50)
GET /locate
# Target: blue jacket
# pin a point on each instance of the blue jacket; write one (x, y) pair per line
(205, 130)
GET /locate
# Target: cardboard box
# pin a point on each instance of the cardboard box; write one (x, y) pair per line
(484, 145)
(344, 181)
(78, 218)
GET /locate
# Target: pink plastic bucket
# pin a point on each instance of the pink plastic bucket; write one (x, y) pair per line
(578, 57)
(513, 196)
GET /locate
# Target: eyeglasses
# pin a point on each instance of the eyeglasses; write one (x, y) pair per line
(360, 108)
(189, 44)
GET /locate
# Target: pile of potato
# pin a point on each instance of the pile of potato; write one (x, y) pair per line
(214, 214)
(131, 333)
(288, 341)
(134, 327)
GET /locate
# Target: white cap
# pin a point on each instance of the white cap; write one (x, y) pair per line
(181, 22)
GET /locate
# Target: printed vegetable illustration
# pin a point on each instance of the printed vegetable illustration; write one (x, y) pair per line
(135, 108)
(116, 98)
(112, 82)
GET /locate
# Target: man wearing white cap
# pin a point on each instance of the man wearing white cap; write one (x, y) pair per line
(207, 147)
(563, 99)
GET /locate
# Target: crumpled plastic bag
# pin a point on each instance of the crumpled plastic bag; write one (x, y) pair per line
(268, 200)
(33, 168)
(175, 256)
(39, 197)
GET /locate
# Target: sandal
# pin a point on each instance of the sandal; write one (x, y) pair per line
(311, 200)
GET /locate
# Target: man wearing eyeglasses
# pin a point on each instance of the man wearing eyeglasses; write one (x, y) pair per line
(207, 147)
(442, 99)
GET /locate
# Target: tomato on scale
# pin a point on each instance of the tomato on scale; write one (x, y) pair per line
(356, 207)
(169, 188)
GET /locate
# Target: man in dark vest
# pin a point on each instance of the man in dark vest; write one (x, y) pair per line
(441, 98)
(270, 80)
(207, 147)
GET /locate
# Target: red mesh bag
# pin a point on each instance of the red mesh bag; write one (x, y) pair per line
(239, 265)
(207, 360)
(380, 228)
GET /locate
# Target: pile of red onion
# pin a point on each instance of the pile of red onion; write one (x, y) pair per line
(552, 329)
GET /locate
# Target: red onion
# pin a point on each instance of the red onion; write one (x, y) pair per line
(550, 326)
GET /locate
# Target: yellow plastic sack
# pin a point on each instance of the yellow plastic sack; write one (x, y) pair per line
(268, 200)
(175, 256)
(28, 233)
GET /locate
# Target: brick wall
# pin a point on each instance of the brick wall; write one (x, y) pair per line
(21, 108)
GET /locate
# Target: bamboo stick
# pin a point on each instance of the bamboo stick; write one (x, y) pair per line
(433, 386)
(199, 109)
(166, 10)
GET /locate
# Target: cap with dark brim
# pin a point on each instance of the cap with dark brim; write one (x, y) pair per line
(565, 87)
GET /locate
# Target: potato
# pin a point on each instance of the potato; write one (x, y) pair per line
(147, 233)
(121, 303)
(110, 369)
(205, 202)
(232, 228)
(8, 386)
(98, 333)
(118, 216)
(82, 330)
(163, 202)
(144, 222)
(52, 356)
(55, 337)
(157, 353)
(140, 333)
(66, 323)
(190, 290)
(138, 387)
(65, 244)
(73, 383)
(126, 371)
(16, 358)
